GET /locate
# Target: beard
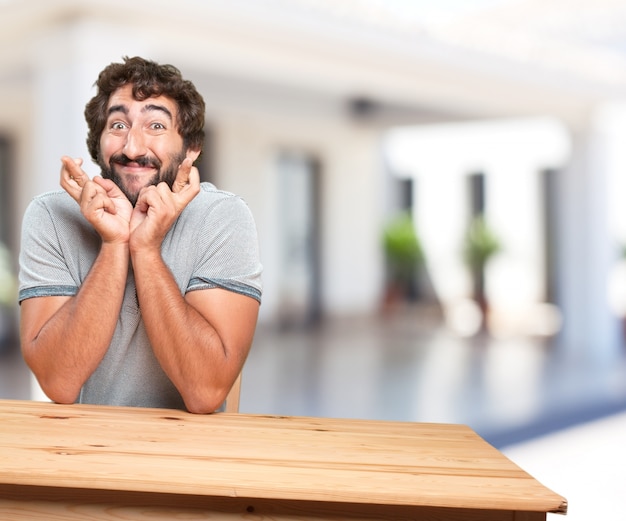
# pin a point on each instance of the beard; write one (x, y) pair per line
(167, 175)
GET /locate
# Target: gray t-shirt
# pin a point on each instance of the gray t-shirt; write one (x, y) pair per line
(213, 244)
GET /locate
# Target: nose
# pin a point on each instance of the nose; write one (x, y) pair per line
(135, 145)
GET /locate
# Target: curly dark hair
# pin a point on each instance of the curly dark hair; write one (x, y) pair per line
(148, 79)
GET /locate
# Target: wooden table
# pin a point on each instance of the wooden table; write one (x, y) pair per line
(60, 462)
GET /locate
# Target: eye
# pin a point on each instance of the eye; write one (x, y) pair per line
(118, 125)
(157, 126)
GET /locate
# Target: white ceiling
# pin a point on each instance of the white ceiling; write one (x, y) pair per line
(583, 37)
(490, 57)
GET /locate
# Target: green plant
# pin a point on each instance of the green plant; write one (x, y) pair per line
(402, 249)
(480, 244)
(7, 279)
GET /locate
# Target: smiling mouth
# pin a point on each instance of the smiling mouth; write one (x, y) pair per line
(132, 176)
(141, 162)
(134, 166)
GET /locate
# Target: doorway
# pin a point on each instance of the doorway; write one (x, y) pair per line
(299, 214)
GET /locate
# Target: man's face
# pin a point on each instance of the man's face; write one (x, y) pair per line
(140, 144)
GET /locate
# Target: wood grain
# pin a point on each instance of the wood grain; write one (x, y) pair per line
(255, 461)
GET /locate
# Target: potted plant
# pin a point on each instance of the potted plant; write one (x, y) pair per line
(403, 255)
(481, 244)
(8, 297)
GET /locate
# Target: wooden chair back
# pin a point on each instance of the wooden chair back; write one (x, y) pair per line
(232, 399)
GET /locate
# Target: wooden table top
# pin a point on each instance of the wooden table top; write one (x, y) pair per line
(255, 456)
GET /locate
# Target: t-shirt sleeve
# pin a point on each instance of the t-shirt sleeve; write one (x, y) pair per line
(228, 250)
(43, 268)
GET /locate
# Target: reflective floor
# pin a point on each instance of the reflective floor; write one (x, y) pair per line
(586, 464)
(406, 366)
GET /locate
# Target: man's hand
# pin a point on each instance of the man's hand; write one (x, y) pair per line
(101, 201)
(158, 207)
(73, 178)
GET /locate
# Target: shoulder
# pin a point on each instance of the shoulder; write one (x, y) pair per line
(56, 202)
(213, 201)
(209, 193)
(213, 214)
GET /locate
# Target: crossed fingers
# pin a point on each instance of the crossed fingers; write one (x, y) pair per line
(185, 176)
(91, 195)
(187, 183)
(73, 178)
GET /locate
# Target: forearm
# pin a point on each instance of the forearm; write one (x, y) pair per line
(187, 346)
(64, 346)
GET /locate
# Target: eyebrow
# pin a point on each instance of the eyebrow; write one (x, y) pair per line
(146, 108)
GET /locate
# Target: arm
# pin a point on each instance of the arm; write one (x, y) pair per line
(64, 338)
(202, 339)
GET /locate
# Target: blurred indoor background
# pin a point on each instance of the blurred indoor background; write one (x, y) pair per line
(438, 187)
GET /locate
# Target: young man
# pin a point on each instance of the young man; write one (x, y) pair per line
(140, 287)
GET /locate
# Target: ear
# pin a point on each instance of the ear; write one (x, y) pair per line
(193, 154)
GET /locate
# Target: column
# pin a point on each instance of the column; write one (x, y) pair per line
(585, 248)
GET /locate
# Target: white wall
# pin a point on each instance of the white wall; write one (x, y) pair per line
(511, 155)
(44, 111)
(247, 148)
